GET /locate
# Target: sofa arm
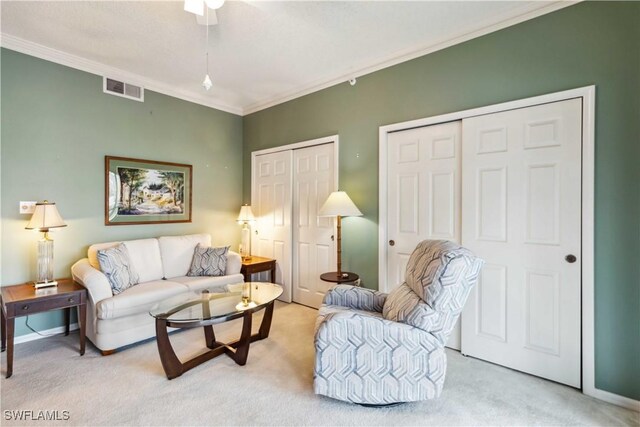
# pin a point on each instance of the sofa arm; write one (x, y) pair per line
(94, 280)
(359, 356)
(355, 297)
(234, 262)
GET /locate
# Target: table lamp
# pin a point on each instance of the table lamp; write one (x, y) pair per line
(245, 217)
(44, 217)
(339, 204)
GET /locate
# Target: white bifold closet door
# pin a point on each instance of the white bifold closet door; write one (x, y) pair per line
(288, 189)
(423, 185)
(313, 250)
(271, 205)
(521, 213)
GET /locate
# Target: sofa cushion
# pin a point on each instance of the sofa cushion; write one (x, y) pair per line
(177, 252)
(143, 253)
(212, 283)
(138, 299)
(145, 256)
(116, 265)
(208, 261)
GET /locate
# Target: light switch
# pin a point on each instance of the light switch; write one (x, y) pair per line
(27, 207)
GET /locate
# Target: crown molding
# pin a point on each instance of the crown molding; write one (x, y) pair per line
(508, 19)
(63, 58)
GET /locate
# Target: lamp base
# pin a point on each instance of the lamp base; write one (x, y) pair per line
(39, 285)
(242, 306)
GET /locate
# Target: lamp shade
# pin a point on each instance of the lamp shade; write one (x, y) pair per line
(245, 214)
(45, 216)
(339, 204)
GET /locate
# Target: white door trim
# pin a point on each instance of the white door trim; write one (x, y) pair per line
(587, 94)
(297, 145)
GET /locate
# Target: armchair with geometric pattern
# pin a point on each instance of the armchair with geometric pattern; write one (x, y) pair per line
(379, 349)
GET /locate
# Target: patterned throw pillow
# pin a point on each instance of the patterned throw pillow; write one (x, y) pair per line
(115, 264)
(209, 261)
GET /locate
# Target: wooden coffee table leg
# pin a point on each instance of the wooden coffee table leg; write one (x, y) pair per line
(265, 326)
(170, 362)
(242, 345)
(237, 350)
(209, 336)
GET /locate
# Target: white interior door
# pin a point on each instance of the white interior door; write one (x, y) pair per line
(521, 203)
(271, 205)
(423, 201)
(313, 249)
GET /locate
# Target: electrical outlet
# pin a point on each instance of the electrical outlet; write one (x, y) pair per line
(27, 207)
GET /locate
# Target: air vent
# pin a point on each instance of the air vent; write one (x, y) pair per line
(125, 90)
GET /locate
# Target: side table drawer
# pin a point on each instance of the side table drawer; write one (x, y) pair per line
(35, 306)
(259, 268)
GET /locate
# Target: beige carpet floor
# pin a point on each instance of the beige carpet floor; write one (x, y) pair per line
(274, 388)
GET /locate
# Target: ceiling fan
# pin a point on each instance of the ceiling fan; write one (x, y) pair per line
(205, 10)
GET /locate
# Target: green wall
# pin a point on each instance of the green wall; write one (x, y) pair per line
(585, 44)
(57, 126)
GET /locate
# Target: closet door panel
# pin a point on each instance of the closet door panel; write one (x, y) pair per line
(423, 200)
(521, 192)
(314, 250)
(271, 204)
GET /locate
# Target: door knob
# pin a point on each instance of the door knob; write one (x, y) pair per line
(392, 242)
(332, 237)
(570, 258)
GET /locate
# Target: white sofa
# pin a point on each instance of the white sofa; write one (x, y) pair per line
(162, 263)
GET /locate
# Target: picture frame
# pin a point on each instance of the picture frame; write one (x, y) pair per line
(139, 191)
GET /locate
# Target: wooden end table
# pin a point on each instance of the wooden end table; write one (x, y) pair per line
(257, 264)
(25, 299)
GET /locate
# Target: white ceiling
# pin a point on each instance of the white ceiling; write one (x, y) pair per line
(261, 52)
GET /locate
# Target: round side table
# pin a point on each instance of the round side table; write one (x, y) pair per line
(333, 277)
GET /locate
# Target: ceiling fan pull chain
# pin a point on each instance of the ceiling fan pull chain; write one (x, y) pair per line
(207, 80)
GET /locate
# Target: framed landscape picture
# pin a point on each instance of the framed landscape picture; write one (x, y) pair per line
(146, 191)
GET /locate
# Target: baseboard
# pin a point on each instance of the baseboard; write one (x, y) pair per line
(53, 331)
(613, 398)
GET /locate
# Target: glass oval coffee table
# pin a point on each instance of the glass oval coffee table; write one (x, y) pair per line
(192, 310)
